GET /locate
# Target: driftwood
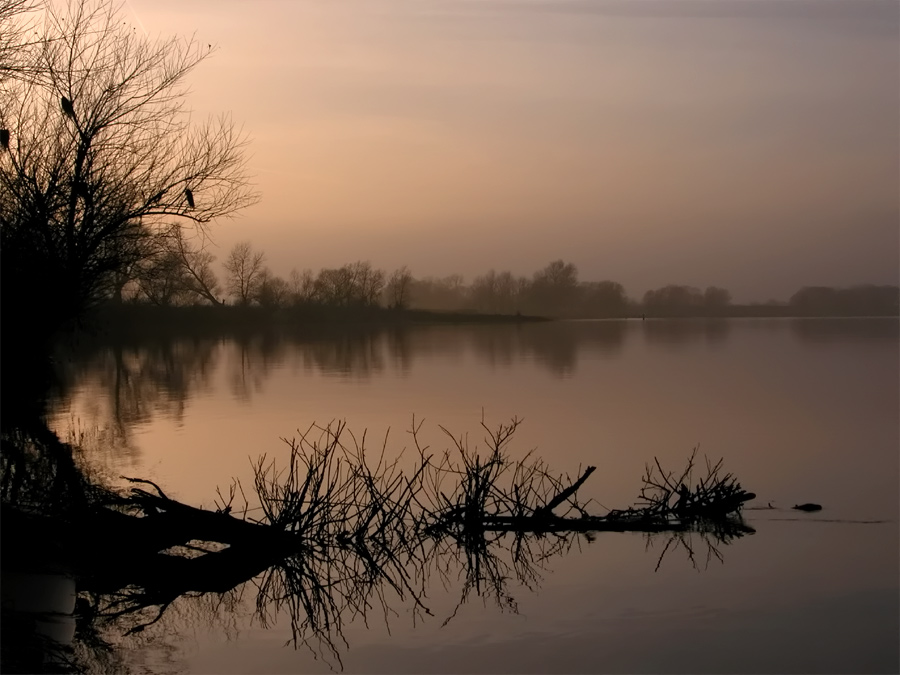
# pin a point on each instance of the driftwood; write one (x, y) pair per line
(339, 529)
(332, 497)
(330, 493)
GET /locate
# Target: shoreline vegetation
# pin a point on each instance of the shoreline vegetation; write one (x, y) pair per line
(177, 284)
(142, 319)
(360, 292)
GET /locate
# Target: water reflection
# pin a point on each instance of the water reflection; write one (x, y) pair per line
(141, 380)
(343, 537)
(130, 383)
(677, 333)
(847, 331)
(776, 401)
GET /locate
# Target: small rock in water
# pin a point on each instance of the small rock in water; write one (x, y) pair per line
(808, 507)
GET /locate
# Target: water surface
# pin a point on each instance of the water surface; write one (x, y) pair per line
(800, 410)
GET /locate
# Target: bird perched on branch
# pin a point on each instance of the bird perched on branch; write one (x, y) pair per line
(189, 196)
(4, 138)
(67, 107)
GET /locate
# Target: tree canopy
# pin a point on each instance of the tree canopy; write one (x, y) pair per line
(100, 156)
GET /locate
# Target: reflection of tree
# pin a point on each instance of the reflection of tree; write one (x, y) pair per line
(876, 331)
(497, 345)
(400, 348)
(680, 332)
(343, 531)
(707, 541)
(157, 377)
(137, 381)
(140, 379)
(554, 345)
(863, 300)
(38, 473)
(43, 489)
(359, 353)
(253, 358)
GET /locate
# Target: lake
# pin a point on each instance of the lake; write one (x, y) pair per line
(799, 410)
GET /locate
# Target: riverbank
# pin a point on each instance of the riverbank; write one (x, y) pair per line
(153, 321)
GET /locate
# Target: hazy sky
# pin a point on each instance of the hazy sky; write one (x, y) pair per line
(752, 144)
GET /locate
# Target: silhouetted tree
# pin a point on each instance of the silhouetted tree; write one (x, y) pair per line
(273, 291)
(554, 289)
(302, 286)
(397, 289)
(447, 294)
(674, 300)
(333, 286)
(356, 284)
(716, 300)
(162, 279)
(101, 152)
(369, 282)
(16, 40)
(245, 269)
(198, 276)
(497, 292)
(603, 299)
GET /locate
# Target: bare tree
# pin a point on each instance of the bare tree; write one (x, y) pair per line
(332, 286)
(497, 293)
(174, 272)
(397, 289)
(716, 299)
(302, 286)
(367, 284)
(447, 294)
(554, 289)
(199, 278)
(673, 300)
(272, 291)
(246, 270)
(101, 156)
(16, 60)
(161, 280)
(356, 284)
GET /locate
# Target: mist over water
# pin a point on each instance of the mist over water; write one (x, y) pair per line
(746, 144)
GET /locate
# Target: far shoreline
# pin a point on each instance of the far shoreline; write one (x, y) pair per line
(139, 320)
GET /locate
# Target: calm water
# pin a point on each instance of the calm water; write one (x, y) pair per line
(804, 410)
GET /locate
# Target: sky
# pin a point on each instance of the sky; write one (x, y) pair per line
(750, 144)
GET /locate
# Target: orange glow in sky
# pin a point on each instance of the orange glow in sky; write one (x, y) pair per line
(751, 144)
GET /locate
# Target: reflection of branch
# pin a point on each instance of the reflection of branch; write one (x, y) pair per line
(684, 540)
(148, 482)
(345, 530)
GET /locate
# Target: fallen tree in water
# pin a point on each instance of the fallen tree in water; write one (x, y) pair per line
(339, 529)
(501, 494)
(331, 492)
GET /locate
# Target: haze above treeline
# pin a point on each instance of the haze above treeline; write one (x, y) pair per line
(742, 143)
(179, 273)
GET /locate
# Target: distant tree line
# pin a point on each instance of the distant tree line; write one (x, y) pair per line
(180, 272)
